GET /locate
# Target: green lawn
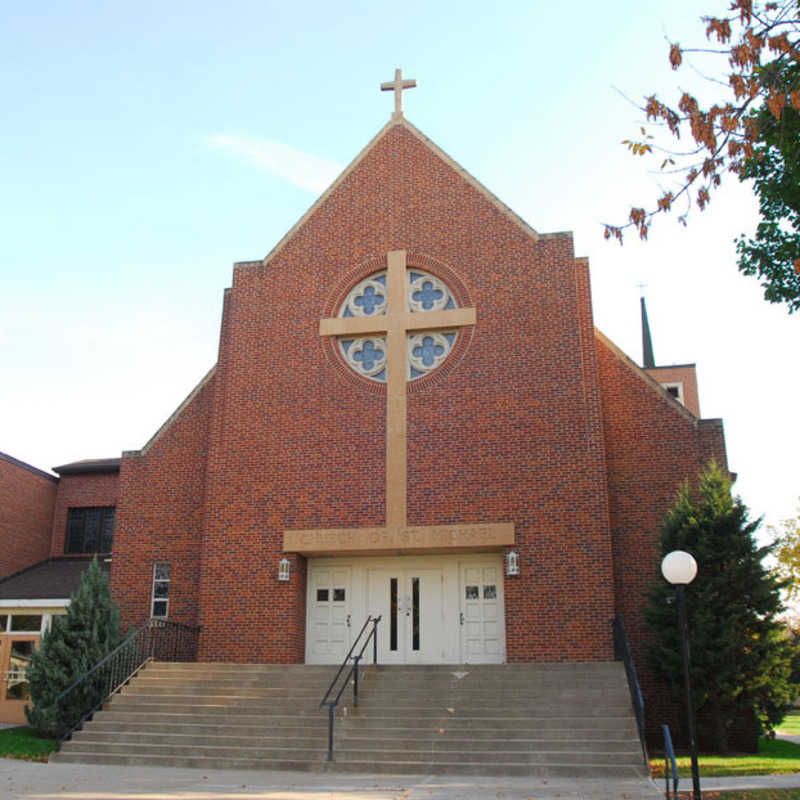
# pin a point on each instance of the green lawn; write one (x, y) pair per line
(24, 743)
(773, 757)
(790, 724)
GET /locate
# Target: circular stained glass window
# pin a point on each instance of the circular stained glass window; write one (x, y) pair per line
(425, 350)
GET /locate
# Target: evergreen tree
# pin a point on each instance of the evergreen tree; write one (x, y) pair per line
(740, 657)
(75, 642)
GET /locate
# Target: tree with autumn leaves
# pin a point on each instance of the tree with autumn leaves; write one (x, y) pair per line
(750, 128)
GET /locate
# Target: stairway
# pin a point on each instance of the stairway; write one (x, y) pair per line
(570, 720)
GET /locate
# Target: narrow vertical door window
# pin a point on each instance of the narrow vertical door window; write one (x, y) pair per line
(415, 613)
(393, 614)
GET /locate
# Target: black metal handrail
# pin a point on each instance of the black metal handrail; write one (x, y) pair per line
(622, 652)
(326, 700)
(157, 639)
(670, 767)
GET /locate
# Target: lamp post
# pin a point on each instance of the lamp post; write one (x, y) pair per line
(680, 569)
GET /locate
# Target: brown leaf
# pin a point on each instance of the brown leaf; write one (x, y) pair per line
(775, 103)
(675, 57)
(797, 266)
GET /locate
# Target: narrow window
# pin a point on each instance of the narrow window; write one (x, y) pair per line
(160, 602)
(393, 614)
(415, 613)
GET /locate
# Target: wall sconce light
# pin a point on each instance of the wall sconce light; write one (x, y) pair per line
(512, 563)
(283, 569)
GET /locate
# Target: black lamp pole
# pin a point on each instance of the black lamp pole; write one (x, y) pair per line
(679, 594)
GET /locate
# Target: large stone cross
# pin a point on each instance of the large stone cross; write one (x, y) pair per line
(396, 324)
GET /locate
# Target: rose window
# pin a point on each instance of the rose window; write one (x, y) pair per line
(425, 350)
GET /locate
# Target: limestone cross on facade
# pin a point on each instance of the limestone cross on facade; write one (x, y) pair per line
(397, 86)
(396, 324)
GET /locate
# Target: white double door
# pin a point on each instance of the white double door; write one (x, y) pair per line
(433, 610)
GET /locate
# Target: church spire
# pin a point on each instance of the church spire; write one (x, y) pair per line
(648, 359)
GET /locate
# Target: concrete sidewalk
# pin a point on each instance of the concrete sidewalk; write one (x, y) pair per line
(35, 781)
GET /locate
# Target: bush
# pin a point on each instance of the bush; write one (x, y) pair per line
(76, 641)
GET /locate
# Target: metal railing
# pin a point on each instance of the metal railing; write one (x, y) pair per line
(332, 703)
(670, 767)
(622, 652)
(157, 639)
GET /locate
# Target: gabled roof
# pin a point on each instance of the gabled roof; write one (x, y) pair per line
(54, 579)
(436, 150)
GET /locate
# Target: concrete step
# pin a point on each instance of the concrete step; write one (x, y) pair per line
(426, 767)
(473, 730)
(375, 754)
(594, 726)
(344, 743)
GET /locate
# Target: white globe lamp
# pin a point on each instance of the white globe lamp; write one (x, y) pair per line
(679, 567)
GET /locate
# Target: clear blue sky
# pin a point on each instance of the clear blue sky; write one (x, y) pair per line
(147, 146)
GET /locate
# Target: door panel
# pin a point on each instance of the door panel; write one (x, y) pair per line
(329, 615)
(483, 626)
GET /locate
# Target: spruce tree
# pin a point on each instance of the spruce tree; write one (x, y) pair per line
(75, 642)
(740, 657)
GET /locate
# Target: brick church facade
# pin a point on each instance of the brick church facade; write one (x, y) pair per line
(516, 432)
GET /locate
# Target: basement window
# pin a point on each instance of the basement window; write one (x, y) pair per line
(159, 606)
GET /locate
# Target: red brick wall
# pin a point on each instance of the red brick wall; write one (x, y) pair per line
(652, 446)
(75, 491)
(160, 513)
(685, 374)
(512, 433)
(27, 497)
(529, 421)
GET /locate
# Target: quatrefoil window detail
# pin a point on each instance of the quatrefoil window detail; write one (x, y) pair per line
(366, 355)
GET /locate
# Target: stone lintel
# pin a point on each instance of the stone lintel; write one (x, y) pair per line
(398, 540)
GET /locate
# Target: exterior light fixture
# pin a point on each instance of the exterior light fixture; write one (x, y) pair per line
(512, 563)
(283, 569)
(680, 569)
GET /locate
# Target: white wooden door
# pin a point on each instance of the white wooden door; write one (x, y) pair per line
(329, 614)
(482, 617)
(410, 603)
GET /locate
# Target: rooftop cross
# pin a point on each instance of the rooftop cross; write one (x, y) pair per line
(397, 86)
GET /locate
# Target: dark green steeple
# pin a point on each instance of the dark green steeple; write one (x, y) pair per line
(648, 360)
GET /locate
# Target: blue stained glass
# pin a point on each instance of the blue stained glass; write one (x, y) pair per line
(428, 351)
(427, 295)
(450, 303)
(380, 376)
(368, 355)
(369, 300)
(346, 345)
(415, 373)
(451, 337)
